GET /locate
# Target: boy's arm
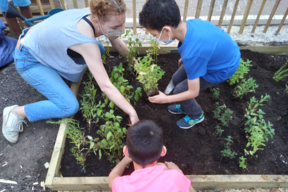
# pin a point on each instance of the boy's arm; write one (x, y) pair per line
(118, 170)
(191, 93)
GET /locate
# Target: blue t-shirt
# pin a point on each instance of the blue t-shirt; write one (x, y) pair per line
(207, 51)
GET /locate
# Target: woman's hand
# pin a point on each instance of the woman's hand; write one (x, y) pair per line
(133, 118)
(161, 98)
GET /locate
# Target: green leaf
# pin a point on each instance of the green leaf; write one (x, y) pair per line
(89, 137)
(92, 145)
(109, 135)
(100, 154)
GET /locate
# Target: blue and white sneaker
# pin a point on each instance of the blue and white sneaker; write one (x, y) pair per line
(175, 109)
(187, 122)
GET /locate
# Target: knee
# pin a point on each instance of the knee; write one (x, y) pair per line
(72, 109)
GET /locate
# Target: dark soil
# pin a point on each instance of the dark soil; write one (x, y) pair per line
(197, 151)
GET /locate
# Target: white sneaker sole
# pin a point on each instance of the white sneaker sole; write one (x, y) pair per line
(5, 122)
(176, 112)
(192, 125)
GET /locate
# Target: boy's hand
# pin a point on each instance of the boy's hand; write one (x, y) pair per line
(161, 98)
(171, 165)
(179, 62)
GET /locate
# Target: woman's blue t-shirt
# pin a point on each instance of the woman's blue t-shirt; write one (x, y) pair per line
(207, 51)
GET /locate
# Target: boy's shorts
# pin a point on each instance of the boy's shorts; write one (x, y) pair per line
(17, 3)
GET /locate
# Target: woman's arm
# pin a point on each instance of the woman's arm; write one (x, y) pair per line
(92, 56)
(120, 46)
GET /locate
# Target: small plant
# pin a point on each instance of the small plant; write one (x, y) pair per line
(132, 52)
(241, 71)
(242, 162)
(216, 93)
(113, 135)
(153, 50)
(87, 105)
(280, 74)
(244, 87)
(227, 151)
(256, 127)
(107, 52)
(149, 75)
(219, 131)
(218, 110)
(123, 85)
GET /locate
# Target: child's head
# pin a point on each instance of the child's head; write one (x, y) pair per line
(144, 142)
(158, 13)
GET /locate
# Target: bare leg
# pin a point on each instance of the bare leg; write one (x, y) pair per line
(26, 11)
(12, 22)
(19, 111)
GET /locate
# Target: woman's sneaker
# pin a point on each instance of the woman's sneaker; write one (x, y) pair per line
(175, 109)
(12, 124)
(187, 122)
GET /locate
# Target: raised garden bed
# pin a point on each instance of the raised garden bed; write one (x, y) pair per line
(196, 150)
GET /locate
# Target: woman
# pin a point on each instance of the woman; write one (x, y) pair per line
(64, 45)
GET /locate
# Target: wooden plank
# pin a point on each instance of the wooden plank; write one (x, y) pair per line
(52, 4)
(75, 4)
(59, 146)
(199, 182)
(222, 13)
(185, 10)
(211, 10)
(62, 4)
(258, 16)
(40, 7)
(134, 18)
(198, 10)
(246, 13)
(283, 20)
(86, 3)
(35, 9)
(233, 15)
(271, 15)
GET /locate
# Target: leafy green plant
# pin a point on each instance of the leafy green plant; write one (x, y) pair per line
(106, 53)
(216, 93)
(227, 151)
(122, 84)
(149, 75)
(132, 52)
(113, 135)
(219, 131)
(87, 104)
(280, 74)
(241, 71)
(225, 117)
(246, 86)
(242, 163)
(218, 110)
(256, 127)
(153, 50)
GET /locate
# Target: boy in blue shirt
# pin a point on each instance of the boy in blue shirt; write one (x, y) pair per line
(208, 54)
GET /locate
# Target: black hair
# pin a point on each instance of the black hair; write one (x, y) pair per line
(144, 142)
(158, 13)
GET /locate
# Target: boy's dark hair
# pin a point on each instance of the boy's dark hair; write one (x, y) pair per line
(144, 142)
(158, 13)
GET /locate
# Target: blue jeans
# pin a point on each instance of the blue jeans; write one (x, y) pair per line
(61, 100)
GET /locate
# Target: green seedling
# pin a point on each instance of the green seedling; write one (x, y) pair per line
(242, 163)
(107, 52)
(218, 110)
(133, 45)
(246, 86)
(153, 50)
(219, 131)
(241, 71)
(281, 73)
(149, 75)
(227, 151)
(87, 104)
(216, 93)
(225, 117)
(256, 127)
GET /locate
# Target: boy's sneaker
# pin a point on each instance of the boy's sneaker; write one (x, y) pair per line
(12, 124)
(175, 109)
(187, 122)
